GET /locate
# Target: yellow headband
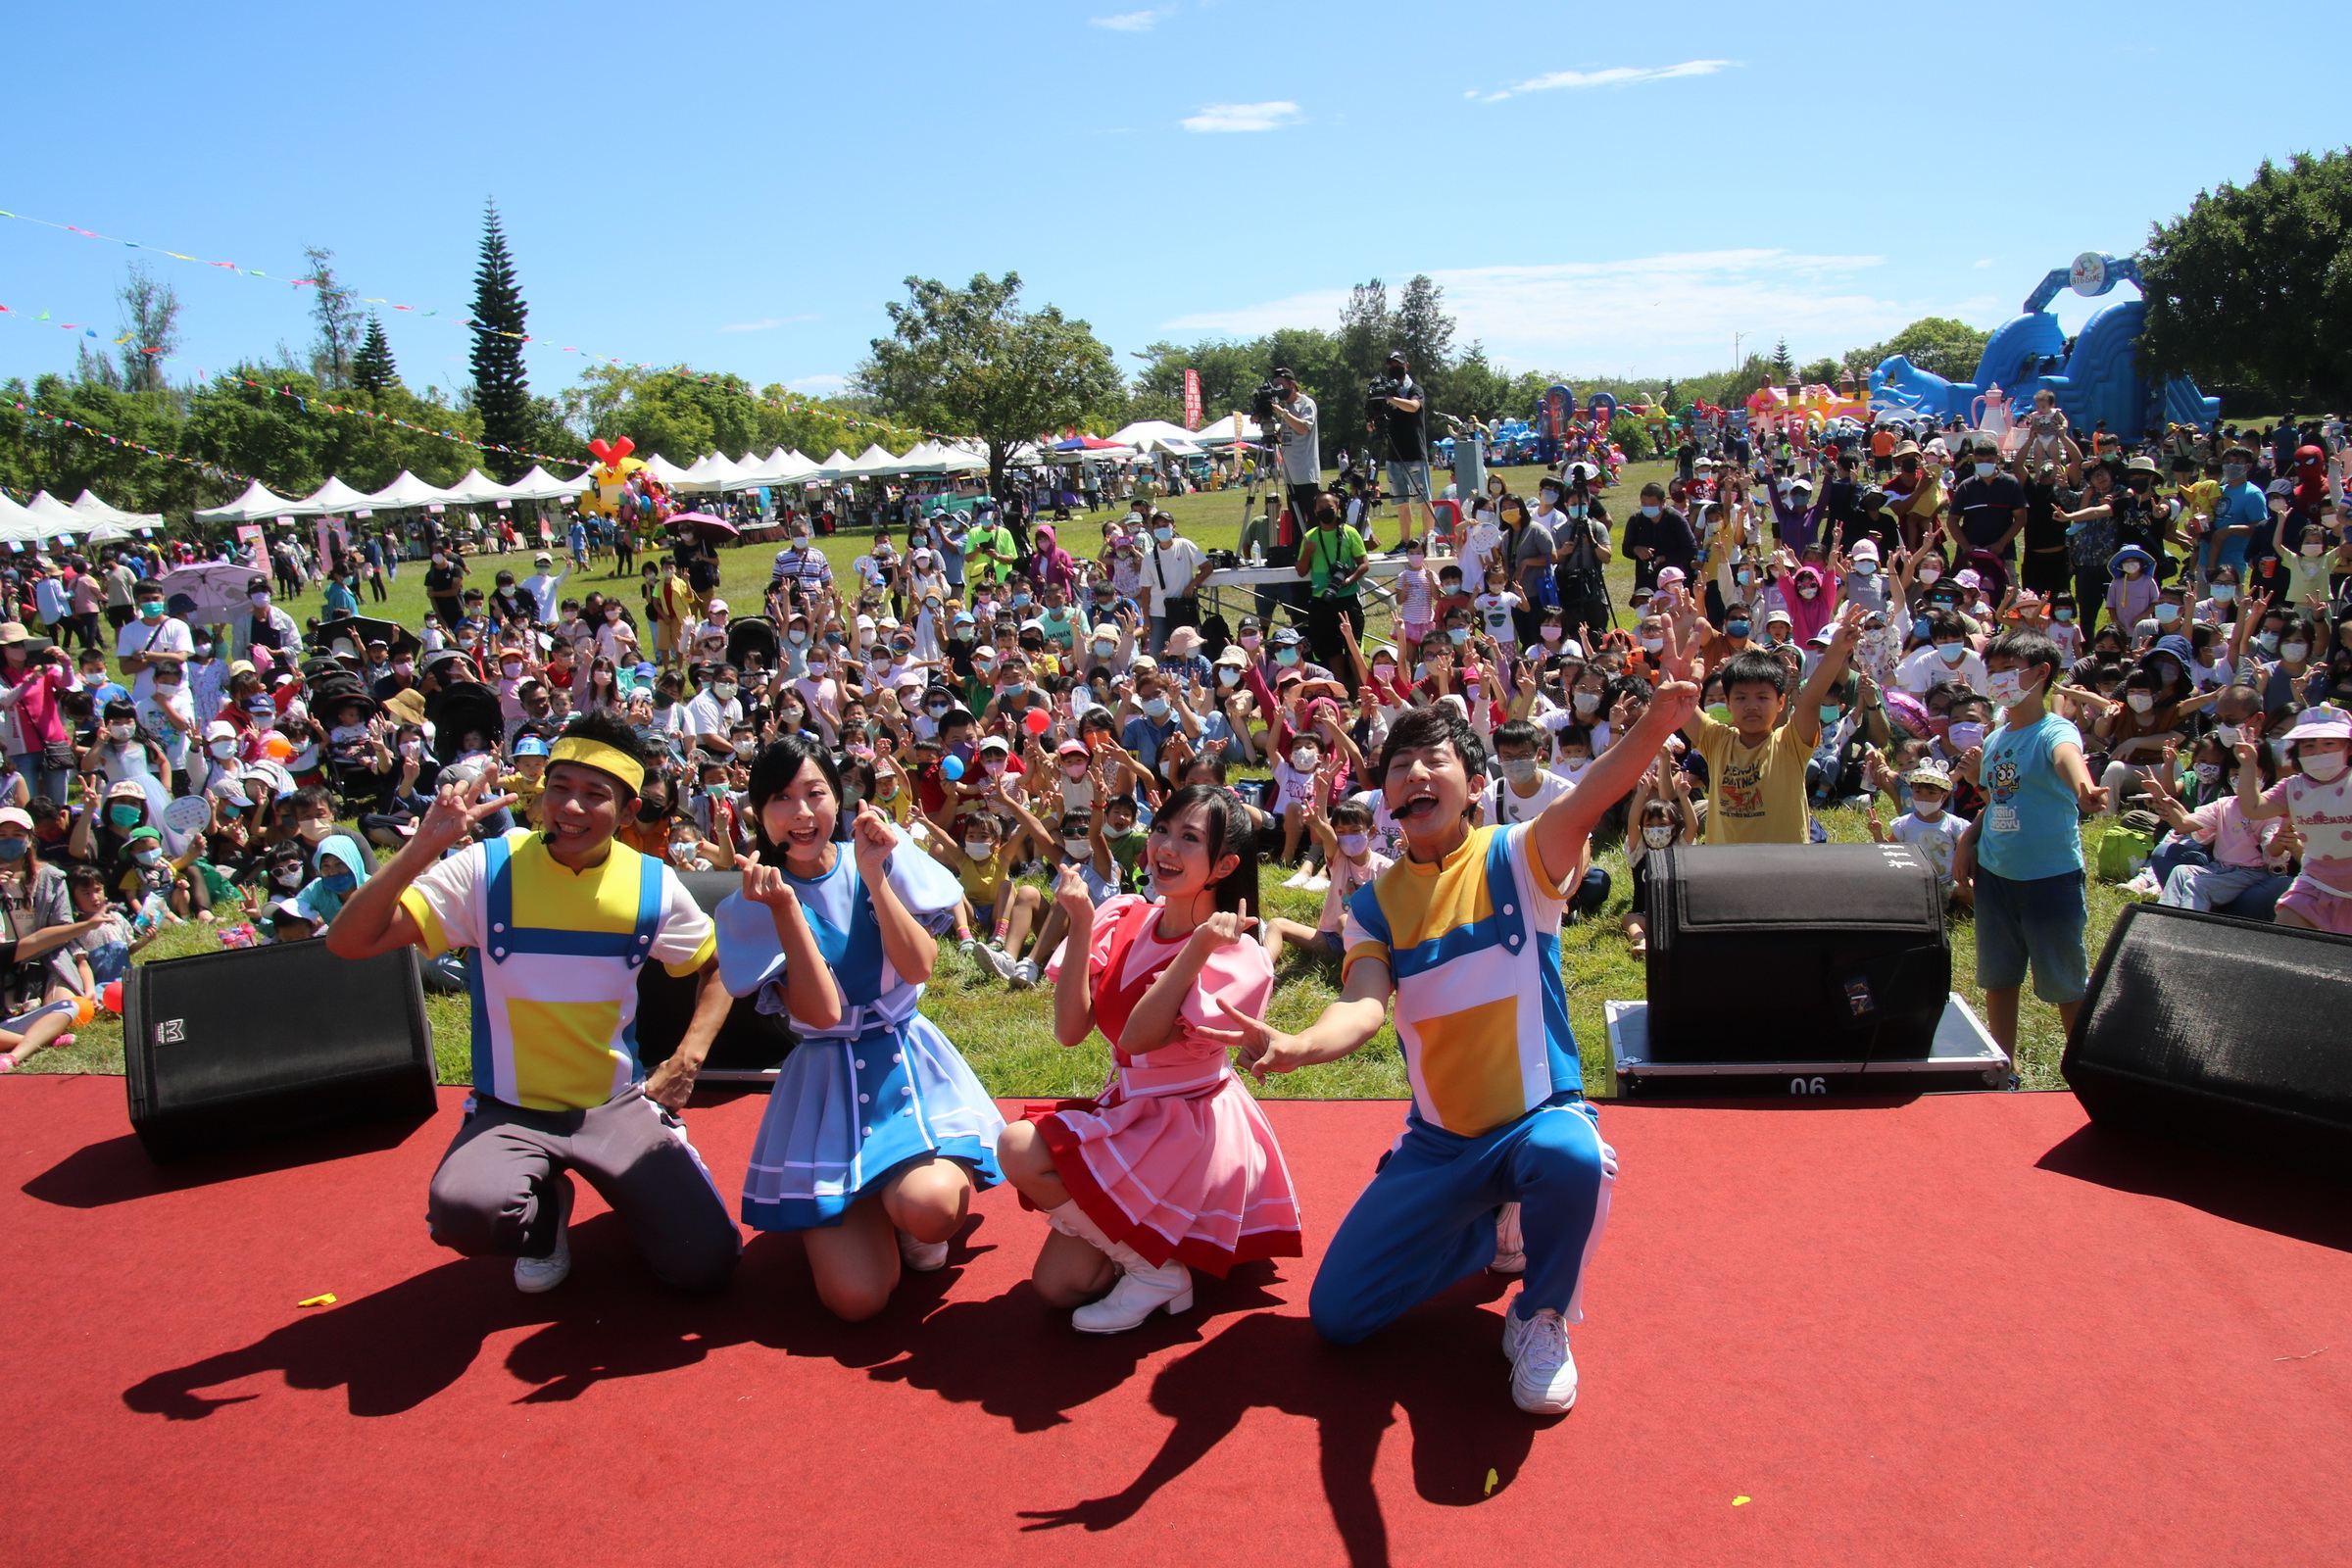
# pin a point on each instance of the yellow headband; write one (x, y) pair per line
(596, 754)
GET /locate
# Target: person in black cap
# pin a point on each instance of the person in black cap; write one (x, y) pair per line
(1404, 420)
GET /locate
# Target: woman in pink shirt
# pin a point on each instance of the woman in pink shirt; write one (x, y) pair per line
(33, 672)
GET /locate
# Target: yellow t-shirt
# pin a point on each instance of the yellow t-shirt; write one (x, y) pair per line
(1755, 796)
(983, 880)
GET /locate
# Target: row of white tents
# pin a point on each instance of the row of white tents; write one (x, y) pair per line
(93, 520)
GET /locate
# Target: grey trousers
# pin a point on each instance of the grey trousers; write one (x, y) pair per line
(504, 1187)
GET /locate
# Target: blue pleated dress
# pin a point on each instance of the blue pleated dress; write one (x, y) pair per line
(881, 1087)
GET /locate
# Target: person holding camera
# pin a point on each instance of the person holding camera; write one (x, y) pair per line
(1293, 429)
(1396, 404)
(1335, 560)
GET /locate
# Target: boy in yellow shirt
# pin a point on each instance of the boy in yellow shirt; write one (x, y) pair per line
(1756, 763)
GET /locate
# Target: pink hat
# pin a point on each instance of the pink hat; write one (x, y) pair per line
(2324, 722)
(1968, 578)
(1672, 575)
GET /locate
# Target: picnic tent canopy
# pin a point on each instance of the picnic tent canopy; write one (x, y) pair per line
(259, 505)
(333, 499)
(98, 511)
(477, 489)
(405, 490)
(541, 485)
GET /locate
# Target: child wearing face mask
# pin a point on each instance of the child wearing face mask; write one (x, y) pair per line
(1342, 829)
(1929, 826)
(1497, 609)
(2317, 798)
(1416, 596)
(1527, 786)
(1666, 814)
(2131, 590)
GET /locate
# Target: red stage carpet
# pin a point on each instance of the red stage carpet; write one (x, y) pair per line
(1966, 1330)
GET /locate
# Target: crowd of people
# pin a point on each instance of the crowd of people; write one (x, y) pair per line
(1071, 769)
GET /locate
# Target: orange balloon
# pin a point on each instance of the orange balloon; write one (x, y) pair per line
(278, 747)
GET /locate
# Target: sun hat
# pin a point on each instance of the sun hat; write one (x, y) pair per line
(1865, 550)
(1929, 774)
(15, 816)
(994, 743)
(1182, 641)
(1065, 749)
(2115, 563)
(126, 789)
(2325, 722)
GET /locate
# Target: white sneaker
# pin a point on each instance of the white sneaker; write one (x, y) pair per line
(1140, 1292)
(922, 1257)
(993, 959)
(533, 1275)
(1543, 1372)
(1296, 879)
(1024, 975)
(1510, 1245)
(1315, 884)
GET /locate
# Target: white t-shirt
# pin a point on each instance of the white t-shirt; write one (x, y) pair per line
(1346, 877)
(1936, 839)
(1924, 669)
(1505, 805)
(706, 714)
(1291, 786)
(1173, 565)
(170, 635)
(1494, 616)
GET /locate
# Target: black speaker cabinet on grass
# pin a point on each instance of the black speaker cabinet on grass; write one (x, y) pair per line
(2234, 1035)
(252, 1044)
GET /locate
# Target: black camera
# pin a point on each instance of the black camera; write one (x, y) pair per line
(1262, 401)
(1383, 388)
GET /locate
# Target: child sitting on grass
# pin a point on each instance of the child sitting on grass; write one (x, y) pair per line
(1345, 831)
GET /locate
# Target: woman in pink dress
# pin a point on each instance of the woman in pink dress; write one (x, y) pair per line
(1175, 1168)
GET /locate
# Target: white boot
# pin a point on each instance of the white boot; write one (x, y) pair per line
(1142, 1290)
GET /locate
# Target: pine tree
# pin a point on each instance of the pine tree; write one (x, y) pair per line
(500, 391)
(1783, 367)
(371, 368)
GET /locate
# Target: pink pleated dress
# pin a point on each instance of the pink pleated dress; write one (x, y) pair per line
(1175, 1158)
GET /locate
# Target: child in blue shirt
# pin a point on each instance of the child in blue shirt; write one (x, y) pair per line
(2023, 856)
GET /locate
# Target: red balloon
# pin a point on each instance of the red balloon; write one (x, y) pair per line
(1039, 721)
(112, 995)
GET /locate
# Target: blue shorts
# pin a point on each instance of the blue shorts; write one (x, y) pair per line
(1408, 480)
(2038, 921)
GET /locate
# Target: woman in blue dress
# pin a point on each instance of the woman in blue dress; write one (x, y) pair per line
(876, 1133)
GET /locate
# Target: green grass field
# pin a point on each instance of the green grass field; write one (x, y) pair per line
(1009, 1038)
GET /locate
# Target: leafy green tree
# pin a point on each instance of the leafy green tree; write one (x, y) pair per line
(1824, 372)
(972, 361)
(372, 368)
(1936, 344)
(502, 392)
(2251, 288)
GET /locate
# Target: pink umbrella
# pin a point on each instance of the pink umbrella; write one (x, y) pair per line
(706, 527)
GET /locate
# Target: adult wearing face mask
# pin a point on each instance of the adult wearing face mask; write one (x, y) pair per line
(2242, 513)
(1581, 550)
(265, 625)
(714, 709)
(1988, 508)
(445, 586)
(1947, 659)
(1335, 561)
(1656, 537)
(1173, 570)
(152, 639)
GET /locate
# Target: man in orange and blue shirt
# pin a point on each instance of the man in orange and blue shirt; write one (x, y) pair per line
(1462, 931)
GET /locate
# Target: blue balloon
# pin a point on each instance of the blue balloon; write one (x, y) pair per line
(952, 769)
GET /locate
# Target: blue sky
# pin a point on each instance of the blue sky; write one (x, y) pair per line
(1601, 191)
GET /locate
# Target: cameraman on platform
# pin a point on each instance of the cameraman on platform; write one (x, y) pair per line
(1395, 404)
(1292, 428)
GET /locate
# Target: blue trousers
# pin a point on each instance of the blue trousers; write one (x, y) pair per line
(1427, 1220)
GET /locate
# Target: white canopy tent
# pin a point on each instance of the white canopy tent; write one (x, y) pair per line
(1225, 430)
(21, 525)
(711, 473)
(477, 489)
(541, 485)
(259, 505)
(55, 514)
(661, 468)
(98, 511)
(405, 490)
(835, 466)
(333, 499)
(779, 467)
(1156, 435)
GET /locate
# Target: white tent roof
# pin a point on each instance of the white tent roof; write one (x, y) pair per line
(875, 460)
(780, 467)
(407, 490)
(97, 510)
(661, 468)
(477, 489)
(55, 514)
(541, 485)
(1224, 430)
(711, 473)
(1144, 432)
(334, 496)
(835, 465)
(24, 525)
(259, 505)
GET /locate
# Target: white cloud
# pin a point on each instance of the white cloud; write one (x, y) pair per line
(1667, 314)
(1611, 77)
(767, 325)
(1981, 266)
(1128, 20)
(1244, 117)
(819, 384)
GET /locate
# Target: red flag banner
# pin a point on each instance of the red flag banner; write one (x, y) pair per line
(1192, 400)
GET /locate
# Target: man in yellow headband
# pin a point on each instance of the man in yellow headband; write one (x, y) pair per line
(561, 921)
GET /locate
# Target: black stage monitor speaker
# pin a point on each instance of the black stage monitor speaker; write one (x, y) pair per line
(1794, 953)
(250, 1044)
(2230, 1033)
(751, 1044)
